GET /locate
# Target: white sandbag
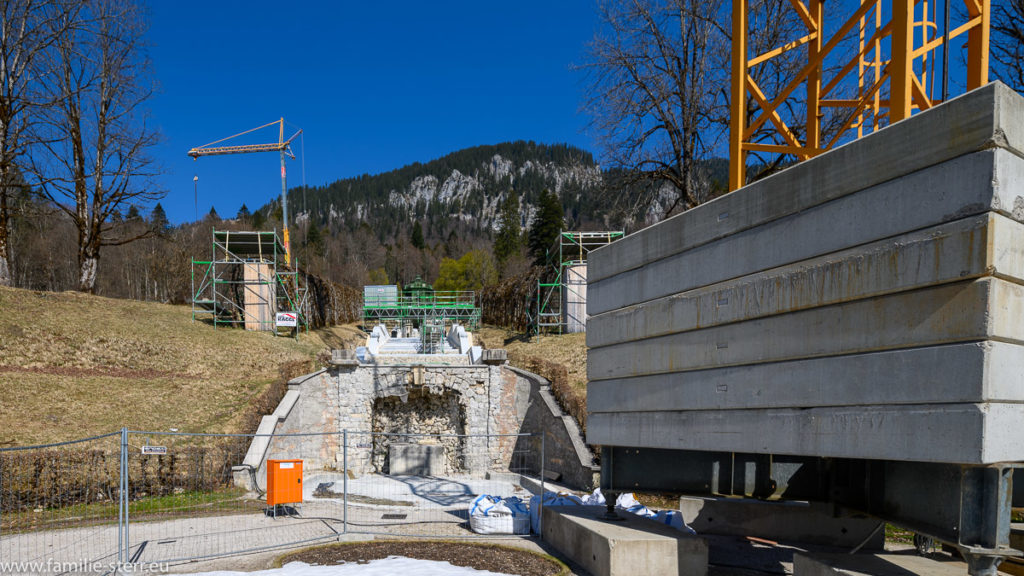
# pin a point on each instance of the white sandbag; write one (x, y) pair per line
(492, 515)
(595, 498)
(550, 499)
(674, 519)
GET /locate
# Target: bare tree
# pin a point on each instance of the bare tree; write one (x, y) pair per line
(1007, 42)
(653, 94)
(27, 29)
(659, 74)
(94, 159)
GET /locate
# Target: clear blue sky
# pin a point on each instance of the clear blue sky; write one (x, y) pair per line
(374, 85)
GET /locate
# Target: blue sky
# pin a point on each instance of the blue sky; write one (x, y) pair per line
(374, 86)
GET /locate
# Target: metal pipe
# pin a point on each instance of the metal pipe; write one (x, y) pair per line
(344, 480)
(945, 53)
(540, 513)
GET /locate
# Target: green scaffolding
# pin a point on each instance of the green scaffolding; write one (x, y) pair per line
(246, 282)
(419, 305)
(569, 250)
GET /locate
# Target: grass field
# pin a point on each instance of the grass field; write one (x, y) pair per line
(569, 350)
(75, 365)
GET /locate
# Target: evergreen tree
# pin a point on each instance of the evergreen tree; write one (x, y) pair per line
(158, 220)
(243, 213)
(315, 239)
(417, 236)
(258, 220)
(509, 237)
(212, 215)
(547, 224)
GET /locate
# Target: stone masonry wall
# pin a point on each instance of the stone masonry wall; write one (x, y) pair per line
(489, 399)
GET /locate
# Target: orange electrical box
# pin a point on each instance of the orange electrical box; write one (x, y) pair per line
(284, 482)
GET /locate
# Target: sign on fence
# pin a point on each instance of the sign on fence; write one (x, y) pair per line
(155, 450)
(287, 319)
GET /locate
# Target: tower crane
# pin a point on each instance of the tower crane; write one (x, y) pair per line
(283, 146)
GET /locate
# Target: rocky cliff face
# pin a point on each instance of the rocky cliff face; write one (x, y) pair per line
(470, 192)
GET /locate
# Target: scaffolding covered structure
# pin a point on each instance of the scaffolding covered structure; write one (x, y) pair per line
(247, 283)
(561, 301)
(418, 306)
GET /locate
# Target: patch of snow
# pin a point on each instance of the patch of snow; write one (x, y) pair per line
(384, 567)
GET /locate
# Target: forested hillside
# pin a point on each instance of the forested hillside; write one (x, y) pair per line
(418, 220)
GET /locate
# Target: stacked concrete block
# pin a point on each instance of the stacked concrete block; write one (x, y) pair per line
(867, 303)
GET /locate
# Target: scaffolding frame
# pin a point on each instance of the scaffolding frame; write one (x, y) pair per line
(439, 308)
(569, 249)
(247, 270)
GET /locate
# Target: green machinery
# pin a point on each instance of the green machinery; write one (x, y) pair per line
(418, 305)
(561, 295)
(247, 283)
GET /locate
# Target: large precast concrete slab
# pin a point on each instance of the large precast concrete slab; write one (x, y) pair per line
(867, 303)
(930, 316)
(974, 184)
(980, 120)
(985, 433)
(935, 374)
(936, 255)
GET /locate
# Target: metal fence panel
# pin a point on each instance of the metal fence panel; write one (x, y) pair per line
(156, 498)
(59, 507)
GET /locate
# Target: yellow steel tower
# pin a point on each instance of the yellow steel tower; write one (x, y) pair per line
(903, 26)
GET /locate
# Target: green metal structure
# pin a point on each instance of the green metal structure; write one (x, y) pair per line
(247, 283)
(419, 305)
(555, 296)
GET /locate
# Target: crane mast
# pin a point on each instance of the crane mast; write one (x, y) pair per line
(283, 146)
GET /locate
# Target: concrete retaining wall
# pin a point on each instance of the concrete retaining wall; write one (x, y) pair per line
(867, 303)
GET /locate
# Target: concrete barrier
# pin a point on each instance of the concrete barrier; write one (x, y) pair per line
(807, 564)
(635, 546)
(803, 522)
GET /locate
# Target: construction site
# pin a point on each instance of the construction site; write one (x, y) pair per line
(798, 367)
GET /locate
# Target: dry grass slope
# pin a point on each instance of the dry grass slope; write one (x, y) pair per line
(561, 358)
(74, 365)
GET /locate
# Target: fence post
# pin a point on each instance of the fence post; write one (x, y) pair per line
(122, 503)
(1, 496)
(344, 481)
(540, 513)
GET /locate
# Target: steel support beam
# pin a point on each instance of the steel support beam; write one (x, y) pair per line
(967, 507)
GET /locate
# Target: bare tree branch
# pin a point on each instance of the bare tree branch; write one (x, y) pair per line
(93, 160)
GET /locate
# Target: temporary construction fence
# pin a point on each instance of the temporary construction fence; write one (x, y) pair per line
(157, 498)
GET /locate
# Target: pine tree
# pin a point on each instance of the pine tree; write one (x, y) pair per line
(213, 214)
(510, 234)
(243, 214)
(158, 220)
(417, 236)
(547, 225)
(315, 239)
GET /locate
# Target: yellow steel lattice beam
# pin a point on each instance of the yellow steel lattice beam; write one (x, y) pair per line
(888, 87)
